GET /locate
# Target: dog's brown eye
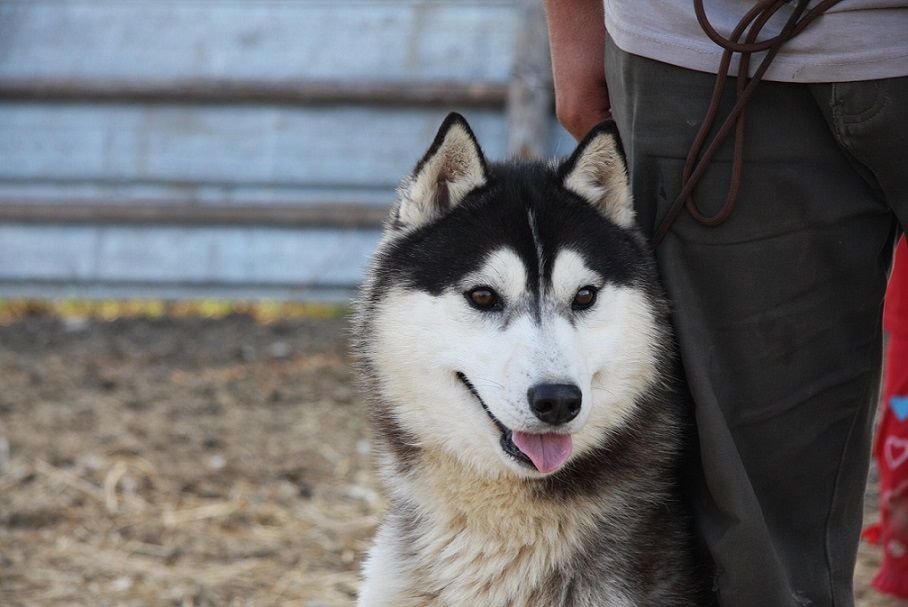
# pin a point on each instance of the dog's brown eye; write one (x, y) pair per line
(483, 298)
(584, 298)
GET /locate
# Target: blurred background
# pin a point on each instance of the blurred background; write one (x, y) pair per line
(241, 149)
(189, 194)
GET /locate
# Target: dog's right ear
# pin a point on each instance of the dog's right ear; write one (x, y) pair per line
(453, 166)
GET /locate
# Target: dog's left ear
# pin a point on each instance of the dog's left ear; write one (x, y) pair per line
(451, 168)
(597, 172)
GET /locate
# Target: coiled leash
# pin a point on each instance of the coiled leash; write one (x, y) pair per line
(696, 164)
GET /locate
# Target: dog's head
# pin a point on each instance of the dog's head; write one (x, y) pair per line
(512, 319)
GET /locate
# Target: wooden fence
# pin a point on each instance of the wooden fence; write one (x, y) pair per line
(239, 148)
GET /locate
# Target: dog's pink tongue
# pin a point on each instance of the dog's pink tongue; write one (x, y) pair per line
(548, 452)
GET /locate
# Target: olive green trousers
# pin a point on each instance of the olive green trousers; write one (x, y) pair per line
(777, 312)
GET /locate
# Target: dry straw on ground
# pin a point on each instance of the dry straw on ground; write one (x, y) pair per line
(179, 460)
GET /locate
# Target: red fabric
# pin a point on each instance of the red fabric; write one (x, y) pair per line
(895, 312)
(891, 447)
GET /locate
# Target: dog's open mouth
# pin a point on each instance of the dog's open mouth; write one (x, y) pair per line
(543, 452)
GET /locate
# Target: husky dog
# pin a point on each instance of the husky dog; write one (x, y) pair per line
(517, 345)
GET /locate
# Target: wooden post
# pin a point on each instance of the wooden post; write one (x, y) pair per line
(530, 93)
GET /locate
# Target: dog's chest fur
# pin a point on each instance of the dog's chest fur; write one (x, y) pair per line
(476, 541)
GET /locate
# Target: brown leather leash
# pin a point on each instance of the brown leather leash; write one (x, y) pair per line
(698, 159)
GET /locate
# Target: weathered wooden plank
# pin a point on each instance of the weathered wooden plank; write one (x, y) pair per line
(276, 92)
(206, 146)
(81, 189)
(530, 94)
(241, 257)
(288, 40)
(339, 215)
(28, 190)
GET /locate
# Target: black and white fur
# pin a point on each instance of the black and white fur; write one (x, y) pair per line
(471, 523)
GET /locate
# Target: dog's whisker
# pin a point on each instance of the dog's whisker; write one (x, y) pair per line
(489, 382)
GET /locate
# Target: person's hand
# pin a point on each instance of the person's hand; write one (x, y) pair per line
(577, 39)
(581, 103)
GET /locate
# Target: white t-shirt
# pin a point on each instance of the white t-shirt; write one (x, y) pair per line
(854, 40)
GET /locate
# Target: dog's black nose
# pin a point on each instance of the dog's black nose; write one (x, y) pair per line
(555, 403)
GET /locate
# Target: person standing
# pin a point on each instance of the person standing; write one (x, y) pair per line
(778, 293)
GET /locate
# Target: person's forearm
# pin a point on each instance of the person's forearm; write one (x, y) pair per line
(577, 39)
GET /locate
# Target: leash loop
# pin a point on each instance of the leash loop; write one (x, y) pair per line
(698, 159)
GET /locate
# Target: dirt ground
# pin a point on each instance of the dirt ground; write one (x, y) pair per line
(188, 461)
